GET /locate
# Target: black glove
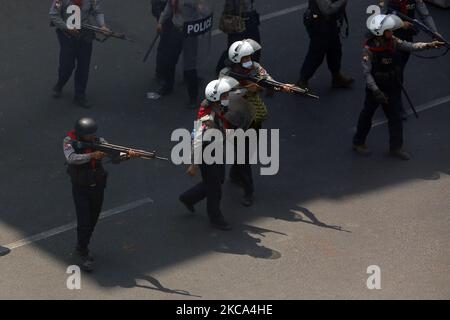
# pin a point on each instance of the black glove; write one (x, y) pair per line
(380, 97)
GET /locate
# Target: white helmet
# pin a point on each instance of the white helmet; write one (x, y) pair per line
(216, 88)
(242, 48)
(381, 22)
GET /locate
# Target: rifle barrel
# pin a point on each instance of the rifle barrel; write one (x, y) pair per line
(423, 27)
(141, 153)
(270, 83)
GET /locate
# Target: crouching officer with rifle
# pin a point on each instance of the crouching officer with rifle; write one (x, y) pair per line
(383, 68)
(88, 179)
(251, 76)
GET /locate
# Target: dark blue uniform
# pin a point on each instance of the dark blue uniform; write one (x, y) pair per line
(88, 179)
(383, 71)
(322, 21)
(76, 51)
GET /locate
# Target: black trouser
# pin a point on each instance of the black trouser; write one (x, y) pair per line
(169, 55)
(392, 110)
(74, 53)
(251, 32)
(210, 188)
(324, 41)
(163, 45)
(88, 205)
(242, 173)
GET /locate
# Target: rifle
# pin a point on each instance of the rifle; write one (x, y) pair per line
(115, 151)
(151, 47)
(419, 25)
(106, 34)
(269, 83)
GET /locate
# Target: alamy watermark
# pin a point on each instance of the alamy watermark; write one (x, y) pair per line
(374, 280)
(239, 147)
(74, 20)
(73, 282)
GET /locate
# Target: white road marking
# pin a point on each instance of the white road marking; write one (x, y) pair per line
(272, 15)
(423, 107)
(73, 225)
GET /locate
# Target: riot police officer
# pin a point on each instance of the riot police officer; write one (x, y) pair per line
(76, 46)
(173, 20)
(323, 21)
(88, 179)
(382, 69)
(240, 55)
(211, 115)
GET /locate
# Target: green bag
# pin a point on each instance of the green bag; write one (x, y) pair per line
(232, 23)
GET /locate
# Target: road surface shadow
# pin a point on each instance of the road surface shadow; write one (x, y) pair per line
(312, 219)
(156, 285)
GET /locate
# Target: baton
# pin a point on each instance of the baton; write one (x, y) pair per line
(409, 101)
(151, 48)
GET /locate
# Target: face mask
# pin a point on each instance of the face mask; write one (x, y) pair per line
(225, 103)
(247, 65)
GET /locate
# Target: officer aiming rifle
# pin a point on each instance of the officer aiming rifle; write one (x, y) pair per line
(76, 45)
(271, 84)
(115, 151)
(84, 151)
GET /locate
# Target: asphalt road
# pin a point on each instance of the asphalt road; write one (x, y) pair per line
(315, 227)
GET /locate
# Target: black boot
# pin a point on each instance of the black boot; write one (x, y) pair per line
(85, 260)
(220, 224)
(401, 154)
(163, 90)
(57, 92)
(188, 206)
(362, 149)
(247, 200)
(341, 81)
(303, 84)
(82, 101)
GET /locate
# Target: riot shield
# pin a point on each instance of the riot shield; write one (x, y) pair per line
(198, 23)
